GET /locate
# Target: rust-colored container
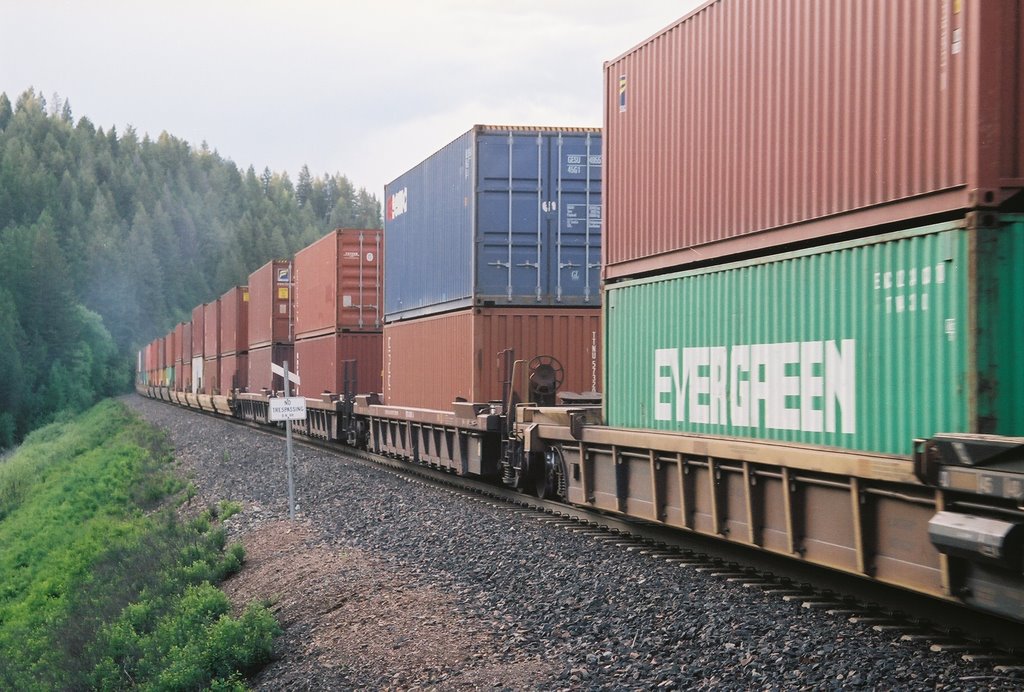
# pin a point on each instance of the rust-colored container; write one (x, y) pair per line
(338, 283)
(431, 361)
(234, 372)
(174, 354)
(211, 375)
(186, 338)
(199, 331)
(186, 378)
(211, 323)
(748, 125)
(234, 321)
(340, 363)
(260, 376)
(270, 304)
(161, 358)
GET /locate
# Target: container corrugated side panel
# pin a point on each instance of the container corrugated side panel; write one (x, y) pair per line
(211, 375)
(430, 361)
(322, 363)
(863, 346)
(211, 328)
(198, 331)
(270, 304)
(315, 286)
(428, 234)
(805, 120)
(234, 327)
(234, 372)
(186, 336)
(260, 376)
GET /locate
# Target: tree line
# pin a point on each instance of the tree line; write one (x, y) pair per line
(107, 240)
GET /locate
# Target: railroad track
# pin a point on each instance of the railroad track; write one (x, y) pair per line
(991, 642)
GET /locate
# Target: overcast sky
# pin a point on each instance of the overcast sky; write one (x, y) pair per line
(366, 89)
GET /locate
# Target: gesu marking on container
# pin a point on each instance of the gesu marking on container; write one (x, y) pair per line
(789, 386)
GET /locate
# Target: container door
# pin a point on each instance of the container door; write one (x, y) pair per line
(538, 218)
(511, 218)
(574, 261)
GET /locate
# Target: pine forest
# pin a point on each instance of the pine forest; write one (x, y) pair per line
(108, 239)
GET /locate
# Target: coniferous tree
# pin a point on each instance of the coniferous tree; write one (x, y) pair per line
(108, 240)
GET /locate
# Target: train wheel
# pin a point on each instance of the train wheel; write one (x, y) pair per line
(550, 479)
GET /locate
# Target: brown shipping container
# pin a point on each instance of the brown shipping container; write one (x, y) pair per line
(234, 372)
(211, 375)
(198, 331)
(186, 379)
(211, 323)
(161, 359)
(174, 355)
(260, 377)
(179, 338)
(327, 363)
(186, 338)
(749, 124)
(430, 361)
(338, 283)
(270, 304)
(234, 321)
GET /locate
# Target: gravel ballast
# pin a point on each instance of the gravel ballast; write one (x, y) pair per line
(384, 582)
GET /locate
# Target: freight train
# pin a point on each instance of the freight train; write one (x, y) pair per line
(803, 319)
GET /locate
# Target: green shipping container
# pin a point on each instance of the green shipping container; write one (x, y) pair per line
(864, 345)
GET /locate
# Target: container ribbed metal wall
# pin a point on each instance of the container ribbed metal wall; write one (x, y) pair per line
(750, 124)
(863, 345)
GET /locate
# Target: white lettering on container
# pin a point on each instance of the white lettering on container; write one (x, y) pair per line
(808, 386)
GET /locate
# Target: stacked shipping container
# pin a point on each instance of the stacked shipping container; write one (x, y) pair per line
(492, 244)
(211, 348)
(185, 374)
(338, 283)
(198, 347)
(270, 324)
(725, 144)
(234, 339)
(746, 126)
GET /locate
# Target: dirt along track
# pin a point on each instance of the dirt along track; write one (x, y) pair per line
(382, 582)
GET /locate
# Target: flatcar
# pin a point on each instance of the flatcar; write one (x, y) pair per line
(805, 325)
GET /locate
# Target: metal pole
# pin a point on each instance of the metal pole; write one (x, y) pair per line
(288, 438)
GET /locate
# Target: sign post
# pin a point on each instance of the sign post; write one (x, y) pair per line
(288, 409)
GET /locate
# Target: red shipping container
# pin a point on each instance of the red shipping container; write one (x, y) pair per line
(431, 361)
(338, 283)
(211, 375)
(198, 331)
(234, 321)
(174, 354)
(185, 369)
(260, 376)
(748, 125)
(211, 324)
(270, 304)
(331, 362)
(186, 379)
(234, 372)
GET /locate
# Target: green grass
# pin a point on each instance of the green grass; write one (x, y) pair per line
(101, 586)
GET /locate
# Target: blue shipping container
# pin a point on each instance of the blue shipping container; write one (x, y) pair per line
(501, 216)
